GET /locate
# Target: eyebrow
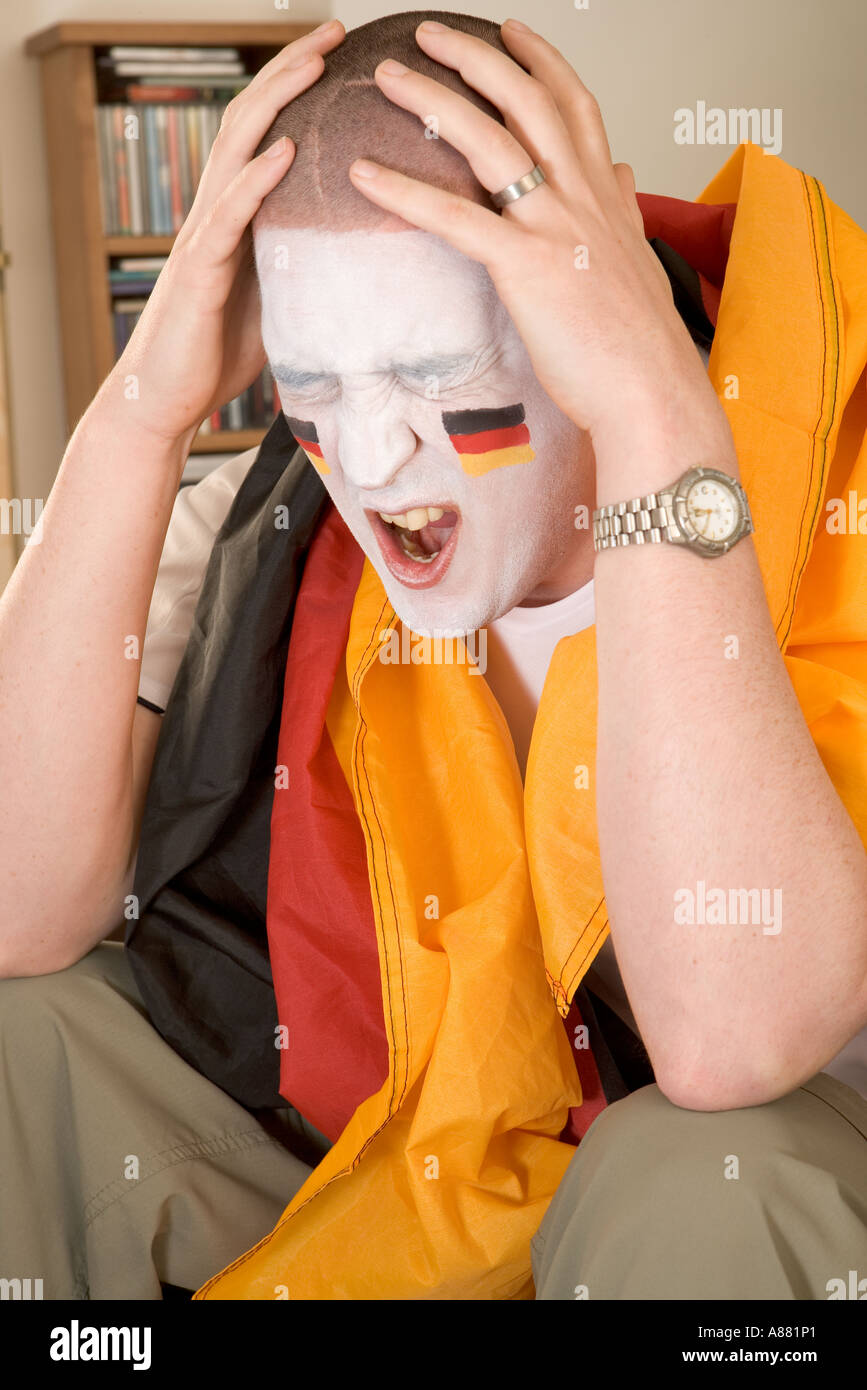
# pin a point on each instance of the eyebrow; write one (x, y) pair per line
(294, 378)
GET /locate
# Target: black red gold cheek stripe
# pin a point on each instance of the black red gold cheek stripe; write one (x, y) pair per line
(486, 439)
(305, 434)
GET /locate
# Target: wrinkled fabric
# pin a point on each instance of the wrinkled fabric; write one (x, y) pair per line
(198, 946)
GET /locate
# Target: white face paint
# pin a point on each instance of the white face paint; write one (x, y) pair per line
(371, 336)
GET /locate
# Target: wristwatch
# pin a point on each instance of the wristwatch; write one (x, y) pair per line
(705, 510)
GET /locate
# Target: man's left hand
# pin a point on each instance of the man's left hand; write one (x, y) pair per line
(569, 259)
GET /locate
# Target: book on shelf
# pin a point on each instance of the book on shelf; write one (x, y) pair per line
(139, 92)
(124, 53)
(151, 158)
(131, 280)
(130, 61)
(213, 71)
(138, 264)
(163, 70)
(158, 113)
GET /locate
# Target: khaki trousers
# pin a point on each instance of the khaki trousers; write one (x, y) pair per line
(122, 1169)
(662, 1203)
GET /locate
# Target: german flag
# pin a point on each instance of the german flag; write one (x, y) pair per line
(305, 435)
(488, 439)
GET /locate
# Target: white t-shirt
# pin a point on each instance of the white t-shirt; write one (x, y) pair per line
(519, 650)
(198, 513)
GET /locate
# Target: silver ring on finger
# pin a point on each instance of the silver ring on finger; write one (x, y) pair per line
(513, 191)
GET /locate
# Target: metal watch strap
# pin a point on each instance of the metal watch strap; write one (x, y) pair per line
(638, 521)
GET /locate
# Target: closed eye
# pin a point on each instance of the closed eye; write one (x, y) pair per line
(422, 382)
(448, 368)
(323, 390)
(451, 384)
(451, 372)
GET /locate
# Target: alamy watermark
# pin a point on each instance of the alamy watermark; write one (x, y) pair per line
(77, 1343)
(20, 1289)
(22, 516)
(721, 907)
(846, 517)
(714, 125)
(439, 648)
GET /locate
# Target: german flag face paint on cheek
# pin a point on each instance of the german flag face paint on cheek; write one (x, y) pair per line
(305, 435)
(486, 439)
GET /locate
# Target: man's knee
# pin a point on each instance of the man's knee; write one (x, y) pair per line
(26, 1001)
(647, 1126)
(653, 1185)
(35, 1007)
(650, 1150)
(645, 1151)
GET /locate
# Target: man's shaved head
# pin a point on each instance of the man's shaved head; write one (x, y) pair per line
(398, 367)
(344, 116)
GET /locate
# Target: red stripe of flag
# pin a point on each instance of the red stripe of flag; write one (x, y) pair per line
(487, 440)
(309, 446)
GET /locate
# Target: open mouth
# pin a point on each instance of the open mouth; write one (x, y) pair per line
(417, 545)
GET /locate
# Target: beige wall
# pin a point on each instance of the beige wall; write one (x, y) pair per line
(642, 58)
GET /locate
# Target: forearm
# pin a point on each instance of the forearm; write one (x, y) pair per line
(707, 774)
(70, 619)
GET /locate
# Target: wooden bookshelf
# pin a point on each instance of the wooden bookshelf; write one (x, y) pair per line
(66, 53)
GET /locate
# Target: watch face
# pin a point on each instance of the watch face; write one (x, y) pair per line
(712, 509)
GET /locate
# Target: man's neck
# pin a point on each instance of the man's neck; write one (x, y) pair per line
(567, 578)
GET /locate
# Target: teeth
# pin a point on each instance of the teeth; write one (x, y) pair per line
(415, 519)
(412, 521)
(413, 551)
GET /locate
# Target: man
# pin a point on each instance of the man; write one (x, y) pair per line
(464, 381)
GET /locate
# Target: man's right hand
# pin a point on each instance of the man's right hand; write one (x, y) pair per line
(197, 343)
(75, 747)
